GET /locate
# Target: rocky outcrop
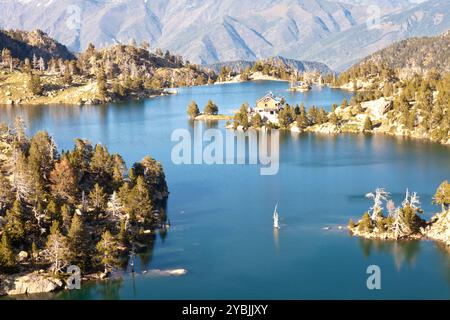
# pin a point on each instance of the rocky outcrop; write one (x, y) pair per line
(377, 109)
(25, 44)
(439, 228)
(326, 128)
(36, 282)
(383, 235)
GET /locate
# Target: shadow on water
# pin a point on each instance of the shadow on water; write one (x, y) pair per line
(401, 251)
(110, 289)
(445, 257)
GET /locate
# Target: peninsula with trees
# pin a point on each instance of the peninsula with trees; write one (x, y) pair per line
(385, 220)
(35, 69)
(274, 69)
(410, 99)
(80, 207)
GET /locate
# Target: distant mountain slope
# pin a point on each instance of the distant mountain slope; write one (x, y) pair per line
(208, 31)
(301, 66)
(416, 54)
(340, 51)
(26, 44)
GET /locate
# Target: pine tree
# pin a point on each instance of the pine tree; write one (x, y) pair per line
(35, 62)
(365, 225)
(256, 121)
(302, 119)
(98, 199)
(141, 201)
(283, 118)
(57, 250)
(411, 119)
(211, 108)
(244, 121)
(102, 166)
(123, 232)
(6, 194)
(78, 242)
(380, 225)
(34, 84)
(41, 64)
(64, 181)
(388, 90)
(312, 115)
(333, 118)
(51, 211)
(67, 78)
(107, 251)
(34, 252)
(368, 126)
(27, 66)
(351, 224)
(66, 216)
(193, 110)
(19, 130)
(322, 116)
(15, 223)
(442, 195)
(119, 168)
(41, 159)
(334, 107)
(101, 83)
(7, 259)
(118, 89)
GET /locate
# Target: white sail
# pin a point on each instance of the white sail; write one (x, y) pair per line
(275, 218)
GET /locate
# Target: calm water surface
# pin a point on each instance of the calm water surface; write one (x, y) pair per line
(222, 215)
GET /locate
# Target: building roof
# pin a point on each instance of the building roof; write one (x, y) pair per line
(269, 96)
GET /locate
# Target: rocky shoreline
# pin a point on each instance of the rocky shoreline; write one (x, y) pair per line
(212, 117)
(377, 111)
(29, 283)
(255, 76)
(404, 222)
(40, 281)
(14, 92)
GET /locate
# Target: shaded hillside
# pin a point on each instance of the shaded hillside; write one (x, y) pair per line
(417, 54)
(288, 64)
(23, 44)
(341, 50)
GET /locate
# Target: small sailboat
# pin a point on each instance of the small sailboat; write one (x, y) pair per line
(276, 224)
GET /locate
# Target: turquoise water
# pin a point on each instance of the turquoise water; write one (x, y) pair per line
(222, 214)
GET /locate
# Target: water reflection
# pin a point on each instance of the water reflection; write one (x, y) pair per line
(401, 251)
(276, 239)
(144, 255)
(110, 289)
(445, 257)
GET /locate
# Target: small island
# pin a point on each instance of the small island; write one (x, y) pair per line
(210, 112)
(79, 207)
(404, 222)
